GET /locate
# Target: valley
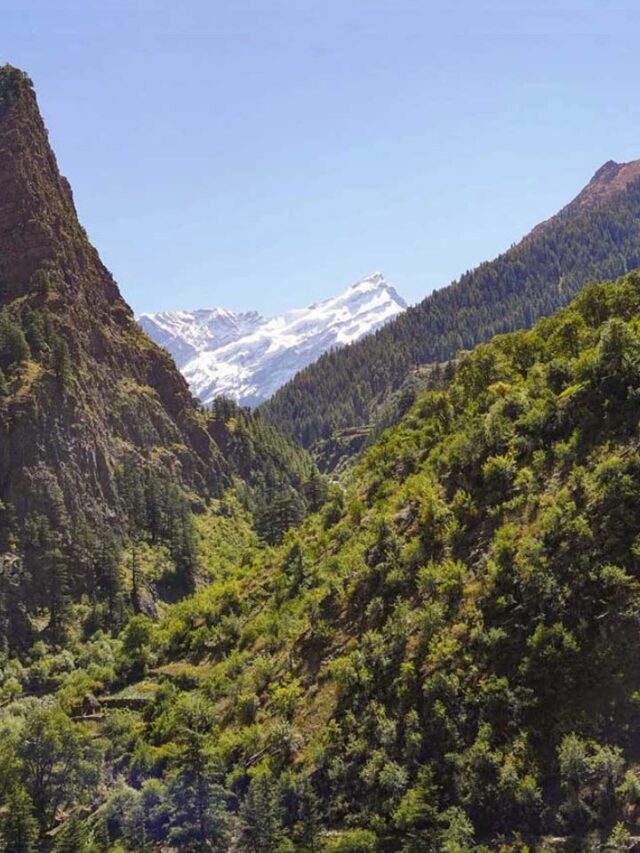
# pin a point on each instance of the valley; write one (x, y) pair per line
(208, 645)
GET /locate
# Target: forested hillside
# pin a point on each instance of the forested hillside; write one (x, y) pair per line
(102, 448)
(440, 659)
(595, 237)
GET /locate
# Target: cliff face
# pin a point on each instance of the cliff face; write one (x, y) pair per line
(93, 393)
(37, 216)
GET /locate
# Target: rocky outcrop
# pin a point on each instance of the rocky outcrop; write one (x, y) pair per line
(124, 398)
(608, 181)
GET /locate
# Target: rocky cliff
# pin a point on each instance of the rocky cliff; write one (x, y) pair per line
(122, 397)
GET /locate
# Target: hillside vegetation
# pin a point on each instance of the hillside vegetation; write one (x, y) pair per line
(599, 238)
(104, 454)
(442, 658)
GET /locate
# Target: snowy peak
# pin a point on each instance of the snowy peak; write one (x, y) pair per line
(374, 285)
(248, 357)
(375, 281)
(361, 309)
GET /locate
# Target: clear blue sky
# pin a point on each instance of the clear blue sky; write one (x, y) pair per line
(267, 154)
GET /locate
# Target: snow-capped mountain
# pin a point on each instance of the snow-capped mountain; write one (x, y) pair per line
(247, 356)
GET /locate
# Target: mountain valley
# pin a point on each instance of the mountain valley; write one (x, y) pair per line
(208, 646)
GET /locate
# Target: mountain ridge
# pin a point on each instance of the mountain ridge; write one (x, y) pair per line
(596, 238)
(611, 178)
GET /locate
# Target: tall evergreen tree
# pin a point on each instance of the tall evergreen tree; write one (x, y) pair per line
(261, 827)
(14, 348)
(18, 826)
(309, 817)
(61, 361)
(73, 838)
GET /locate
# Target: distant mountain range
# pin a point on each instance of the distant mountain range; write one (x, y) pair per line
(247, 357)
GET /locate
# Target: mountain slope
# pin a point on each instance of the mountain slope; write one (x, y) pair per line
(248, 357)
(56, 288)
(596, 236)
(440, 660)
(98, 430)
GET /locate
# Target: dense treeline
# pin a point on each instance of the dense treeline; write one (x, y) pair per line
(532, 279)
(439, 659)
(276, 482)
(60, 553)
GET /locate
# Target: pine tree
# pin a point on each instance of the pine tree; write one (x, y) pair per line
(315, 490)
(35, 331)
(261, 829)
(73, 838)
(309, 817)
(279, 509)
(199, 820)
(109, 579)
(19, 828)
(136, 580)
(293, 568)
(61, 360)
(14, 348)
(58, 596)
(181, 537)
(100, 838)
